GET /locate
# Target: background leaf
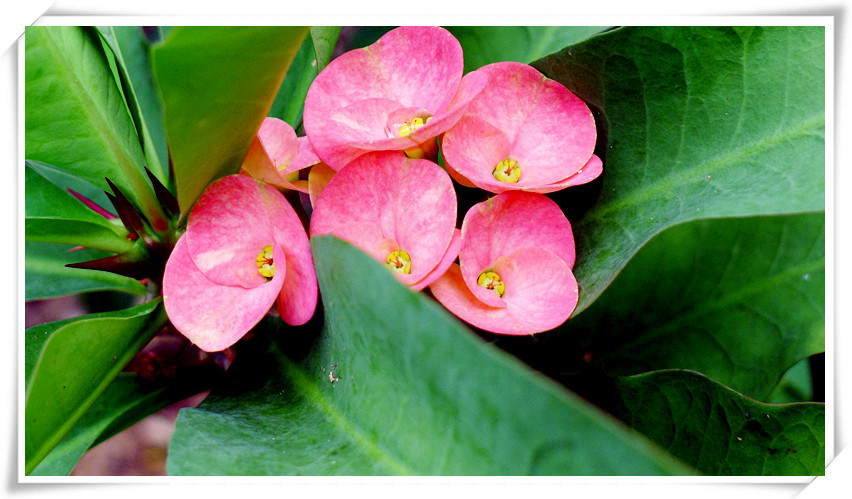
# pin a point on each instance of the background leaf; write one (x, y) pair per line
(290, 101)
(81, 123)
(217, 84)
(400, 388)
(324, 39)
(77, 362)
(488, 44)
(795, 386)
(130, 47)
(46, 275)
(694, 122)
(719, 431)
(740, 300)
(53, 215)
(126, 401)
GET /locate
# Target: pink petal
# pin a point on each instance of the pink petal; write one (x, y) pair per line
(417, 66)
(551, 131)
(211, 315)
(540, 289)
(228, 227)
(409, 200)
(449, 257)
(409, 69)
(473, 148)
(271, 153)
(304, 158)
(511, 221)
(297, 300)
(590, 171)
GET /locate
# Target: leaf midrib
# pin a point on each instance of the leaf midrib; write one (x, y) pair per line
(94, 112)
(310, 390)
(687, 175)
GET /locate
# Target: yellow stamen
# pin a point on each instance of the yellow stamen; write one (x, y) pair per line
(490, 280)
(508, 171)
(265, 263)
(410, 127)
(399, 262)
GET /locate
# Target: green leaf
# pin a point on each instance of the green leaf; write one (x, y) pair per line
(395, 385)
(313, 55)
(127, 400)
(721, 432)
(324, 39)
(46, 275)
(795, 386)
(694, 122)
(77, 362)
(55, 216)
(488, 44)
(73, 182)
(130, 48)
(739, 300)
(217, 85)
(76, 118)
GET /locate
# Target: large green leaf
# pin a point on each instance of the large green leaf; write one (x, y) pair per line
(76, 363)
(217, 84)
(313, 55)
(127, 400)
(721, 432)
(76, 118)
(46, 275)
(53, 215)
(694, 122)
(395, 385)
(739, 300)
(488, 44)
(130, 48)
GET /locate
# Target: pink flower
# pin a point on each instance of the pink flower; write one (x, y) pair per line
(514, 274)
(244, 247)
(397, 94)
(401, 211)
(523, 132)
(276, 155)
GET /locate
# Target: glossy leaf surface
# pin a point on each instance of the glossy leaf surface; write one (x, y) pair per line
(693, 122)
(217, 85)
(76, 364)
(488, 44)
(407, 392)
(76, 118)
(721, 432)
(126, 401)
(130, 47)
(53, 215)
(739, 300)
(46, 275)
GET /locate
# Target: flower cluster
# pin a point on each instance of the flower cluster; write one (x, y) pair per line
(374, 119)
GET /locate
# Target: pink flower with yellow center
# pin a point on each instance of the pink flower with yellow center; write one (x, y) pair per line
(514, 273)
(523, 132)
(399, 210)
(244, 249)
(397, 94)
(276, 155)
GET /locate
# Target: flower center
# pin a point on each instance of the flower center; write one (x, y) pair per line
(409, 127)
(265, 264)
(399, 262)
(490, 280)
(508, 171)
